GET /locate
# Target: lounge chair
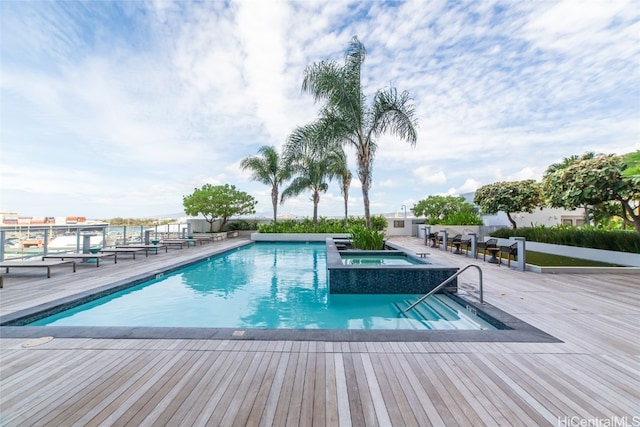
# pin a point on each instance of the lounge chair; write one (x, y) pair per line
(483, 246)
(508, 251)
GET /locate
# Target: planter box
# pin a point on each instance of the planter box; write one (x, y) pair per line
(627, 259)
(295, 237)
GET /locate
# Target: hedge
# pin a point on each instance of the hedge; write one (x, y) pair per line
(585, 237)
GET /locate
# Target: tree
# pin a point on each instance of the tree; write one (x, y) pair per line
(632, 160)
(345, 118)
(592, 181)
(218, 202)
(345, 178)
(509, 197)
(568, 161)
(441, 209)
(269, 170)
(312, 163)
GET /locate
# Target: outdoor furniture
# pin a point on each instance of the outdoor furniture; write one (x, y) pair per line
(82, 256)
(125, 250)
(204, 238)
(465, 244)
(508, 251)
(493, 251)
(178, 242)
(436, 239)
(148, 248)
(455, 241)
(484, 246)
(35, 264)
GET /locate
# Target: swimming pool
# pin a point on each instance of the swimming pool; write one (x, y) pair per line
(278, 285)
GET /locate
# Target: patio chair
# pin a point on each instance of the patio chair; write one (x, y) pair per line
(508, 251)
(465, 243)
(455, 241)
(436, 239)
(491, 243)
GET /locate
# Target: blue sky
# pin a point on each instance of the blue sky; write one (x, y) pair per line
(119, 108)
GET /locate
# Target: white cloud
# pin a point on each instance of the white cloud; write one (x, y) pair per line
(428, 176)
(163, 96)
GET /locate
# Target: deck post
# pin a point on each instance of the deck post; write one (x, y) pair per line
(522, 254)
(45, 242)
(444, 240)
(2, 242)
(474, 244)
(427, 231)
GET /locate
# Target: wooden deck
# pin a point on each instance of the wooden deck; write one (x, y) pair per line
(594, 375)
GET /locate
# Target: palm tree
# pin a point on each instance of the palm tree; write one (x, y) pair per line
(269, 170)
(345, 177)
(345, 118)
(313, 164)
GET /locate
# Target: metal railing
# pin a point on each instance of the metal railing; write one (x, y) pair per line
(441, 285)
(34, 241)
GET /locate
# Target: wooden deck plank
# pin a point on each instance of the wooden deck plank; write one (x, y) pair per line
(331, 395)
(309, 379)
(122, 394)
(356, 405)
(282, 407)
(256, 408)
(198, 393)
(271, 405)
(231, 403)
(176, 396)
(524, 406)
(214, 410)
(295, 401)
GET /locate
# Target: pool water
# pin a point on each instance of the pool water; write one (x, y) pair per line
(377, 260)
(263, 285)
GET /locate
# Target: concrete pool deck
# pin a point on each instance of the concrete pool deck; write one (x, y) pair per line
(592, 375)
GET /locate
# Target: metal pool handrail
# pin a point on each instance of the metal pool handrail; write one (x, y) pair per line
(437, 288)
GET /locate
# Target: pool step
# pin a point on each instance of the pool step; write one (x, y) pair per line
(437, 314)
(411, 316)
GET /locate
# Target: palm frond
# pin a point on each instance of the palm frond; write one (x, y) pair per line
(395, 114)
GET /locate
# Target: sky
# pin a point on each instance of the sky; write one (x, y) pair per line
(120, 108)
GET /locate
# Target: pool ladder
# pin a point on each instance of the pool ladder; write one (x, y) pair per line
(441, 285)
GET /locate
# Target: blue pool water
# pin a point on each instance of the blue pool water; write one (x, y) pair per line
(281, 285)
(348, 259)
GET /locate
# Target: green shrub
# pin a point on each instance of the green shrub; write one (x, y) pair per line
(325, 225)
(242, 224)
(585, 237)
(462, 218)
(366, 239)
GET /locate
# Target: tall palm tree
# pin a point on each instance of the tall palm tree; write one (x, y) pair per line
(347, 119)
(268, 169)
(345, 176)
(312, 163)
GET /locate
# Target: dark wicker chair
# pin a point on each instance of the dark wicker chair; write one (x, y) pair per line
(436, 239)
(508, 251)
(453, 241)
(465, 243)
(481, 246)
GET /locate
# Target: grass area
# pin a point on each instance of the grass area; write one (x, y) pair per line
(548, 260)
